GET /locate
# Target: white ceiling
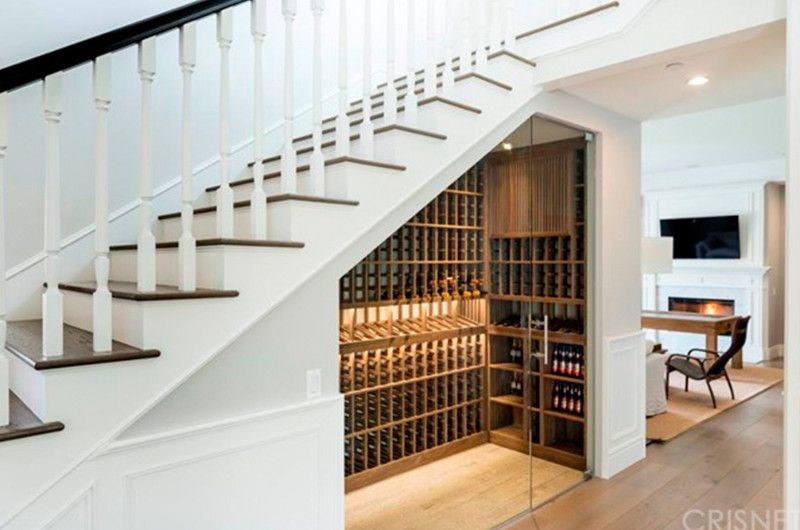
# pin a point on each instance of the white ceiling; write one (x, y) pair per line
(750, 70)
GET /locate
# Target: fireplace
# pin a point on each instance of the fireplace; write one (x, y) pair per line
(703, 306)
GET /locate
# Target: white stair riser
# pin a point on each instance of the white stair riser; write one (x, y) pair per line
(126, 317)
(397, 146)
(29, 385)
(218, 267)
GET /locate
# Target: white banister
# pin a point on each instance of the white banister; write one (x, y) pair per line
(224, 192)
(390, 91)
(317, 161)
(342, 121)
(509, 32)
(411, 101)
(52, 299)
(146, 241)
(448, 79)
(288, 156)
(258, 199)
(430, 60)
(496, 29)
(465, 57)
(4, 410)
(367, 129)
(187, 246)
(481, 17)
(101, 299)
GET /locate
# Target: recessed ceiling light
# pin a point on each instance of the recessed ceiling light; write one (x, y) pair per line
(507, 146)
(698, 80)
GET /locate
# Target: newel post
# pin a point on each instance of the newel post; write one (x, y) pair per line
(101, 299)
(288, 156)
(52, 299)
(317, 161)
(187, 246)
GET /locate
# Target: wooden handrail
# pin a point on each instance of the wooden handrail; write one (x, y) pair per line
(37, 68)
(572, 18)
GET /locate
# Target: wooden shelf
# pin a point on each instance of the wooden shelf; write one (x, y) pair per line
(520, 333)
(510, 400)
(536, 299)
(564, 416)
(443, 225)
(564, 378)
(509, 367)
(378, 335)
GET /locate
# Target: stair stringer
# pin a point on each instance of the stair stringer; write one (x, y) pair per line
(190, 333)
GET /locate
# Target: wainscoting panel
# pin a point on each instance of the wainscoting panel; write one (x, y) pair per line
(77, 515)
(249, 485)
(623, 403)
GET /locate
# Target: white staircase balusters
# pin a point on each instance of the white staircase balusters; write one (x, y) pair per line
(367, 129)
(390, 91)
(317, 161)
(509, 33)
(465, 57)
(496, 28)
(4, 410)
(342, 121)
(430, 61)
(146, 241)
(258, 199)
(481, 16)
(187, 246)
(448, 78)
(288, 155)
(224, 194)
(101, 299)
(52, 299)
(411, 101)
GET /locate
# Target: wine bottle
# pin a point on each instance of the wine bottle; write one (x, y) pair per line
(571, 400)
(579, 401)
(562, 365)
(557, 396)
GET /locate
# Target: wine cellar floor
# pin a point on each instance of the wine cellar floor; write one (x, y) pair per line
(475, 489)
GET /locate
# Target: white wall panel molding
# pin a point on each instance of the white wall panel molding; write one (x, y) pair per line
(621, 407)
(77, 513)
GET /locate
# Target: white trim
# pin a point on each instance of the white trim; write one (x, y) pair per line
(142, 441)
(86, 495)
(791, 394)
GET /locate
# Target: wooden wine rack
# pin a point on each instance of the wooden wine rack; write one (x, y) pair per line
(537, 267)
(422, 373)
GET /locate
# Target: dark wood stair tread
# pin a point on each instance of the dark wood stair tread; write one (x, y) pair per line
(130, 291)
(220, 241)
(400, 108)
(25, 341)
(24, 423)
(271, 199)
(353, 137)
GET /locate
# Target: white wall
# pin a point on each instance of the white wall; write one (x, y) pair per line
(725, 136)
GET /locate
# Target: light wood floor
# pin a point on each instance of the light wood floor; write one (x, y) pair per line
(732, 462)
(476, 489)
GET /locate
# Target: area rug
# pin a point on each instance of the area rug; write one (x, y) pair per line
(688, 409)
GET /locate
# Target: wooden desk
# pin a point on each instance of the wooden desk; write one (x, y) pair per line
(710, 326)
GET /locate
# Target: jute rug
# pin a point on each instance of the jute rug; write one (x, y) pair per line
(687, 409)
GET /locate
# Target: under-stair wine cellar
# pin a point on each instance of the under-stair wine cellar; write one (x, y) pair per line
(445, 325)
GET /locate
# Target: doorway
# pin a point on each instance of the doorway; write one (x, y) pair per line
(464, 353)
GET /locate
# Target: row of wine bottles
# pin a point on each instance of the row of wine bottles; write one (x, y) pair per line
(568, 397)
(568, 361)
(366, 369)
(365, 410)
(370, 449)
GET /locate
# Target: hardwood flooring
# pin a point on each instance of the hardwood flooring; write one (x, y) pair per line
(732, 462)
(477, 489)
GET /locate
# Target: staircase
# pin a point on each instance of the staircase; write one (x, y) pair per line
(111, 343)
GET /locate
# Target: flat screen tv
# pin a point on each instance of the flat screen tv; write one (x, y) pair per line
(703, 237)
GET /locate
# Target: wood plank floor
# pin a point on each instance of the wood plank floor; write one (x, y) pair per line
(732, 462)
(476, 489)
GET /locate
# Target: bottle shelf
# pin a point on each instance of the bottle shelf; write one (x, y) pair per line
(564, 416)
(509, 399)
(508, 367)
(554, 336)
(536, 299)
(385, 334)
(564, 378)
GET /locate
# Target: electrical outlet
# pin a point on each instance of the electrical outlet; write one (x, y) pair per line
(313, 383)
